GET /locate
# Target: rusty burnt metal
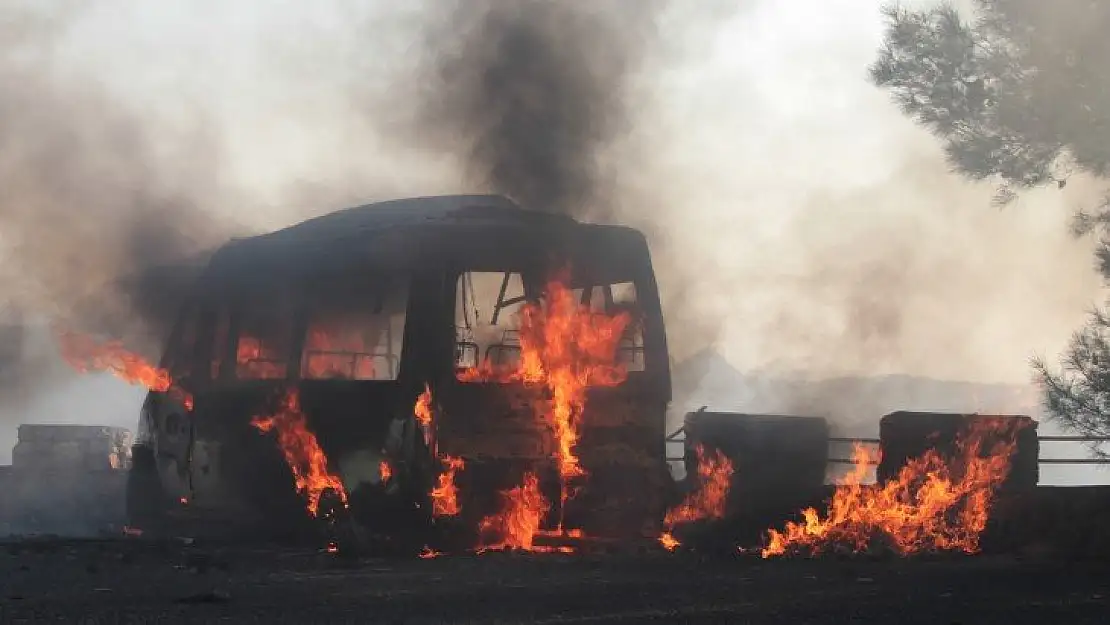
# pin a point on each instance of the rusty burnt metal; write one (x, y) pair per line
(430, 285)
(904, 435)
(770, 454)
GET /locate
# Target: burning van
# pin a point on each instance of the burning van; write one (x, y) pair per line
(412, 362)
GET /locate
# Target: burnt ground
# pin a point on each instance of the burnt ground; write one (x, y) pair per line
(118, 581)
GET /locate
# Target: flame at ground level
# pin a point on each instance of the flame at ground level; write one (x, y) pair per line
(301, 450)
(932, 504)
(707, 501)
(518, 522)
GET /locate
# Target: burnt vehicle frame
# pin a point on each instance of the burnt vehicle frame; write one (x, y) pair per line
(209, 466)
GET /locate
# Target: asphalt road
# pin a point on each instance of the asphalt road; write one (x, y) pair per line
(132, 582)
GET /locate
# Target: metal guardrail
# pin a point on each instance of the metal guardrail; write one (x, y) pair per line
(678, 436)
(1044, 439)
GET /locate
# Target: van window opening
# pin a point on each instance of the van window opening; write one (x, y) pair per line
(487, 318)
(356, 334)
(265, 341)
(488, 306)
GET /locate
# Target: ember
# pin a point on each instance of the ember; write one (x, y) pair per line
(85, 354)
(516, 526)
(669, 542)
(303, 454)
(707, 501)
(932, 504)
(567, 348)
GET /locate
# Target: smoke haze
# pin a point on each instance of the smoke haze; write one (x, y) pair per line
(94, 191)
(798, 222)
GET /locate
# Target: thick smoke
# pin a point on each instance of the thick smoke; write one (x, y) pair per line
(541, 101)
(531, 93)
(92, 201)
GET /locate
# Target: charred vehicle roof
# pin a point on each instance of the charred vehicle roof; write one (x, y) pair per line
(402, 234)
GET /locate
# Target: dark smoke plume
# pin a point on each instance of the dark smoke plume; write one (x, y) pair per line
(532, 92)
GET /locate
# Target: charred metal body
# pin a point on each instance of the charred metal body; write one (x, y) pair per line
(906, 435)
(360, 310)
(771, 455)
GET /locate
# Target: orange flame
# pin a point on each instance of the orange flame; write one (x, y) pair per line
(445, 496)
(669, 542)
(256, 359)
(932, 504)
(385, 470)
(516, 526)
(423, 408)
(708, 500)
(302, 452)
(567, 348)
(86, 354)
(334, 352)
(423, 413)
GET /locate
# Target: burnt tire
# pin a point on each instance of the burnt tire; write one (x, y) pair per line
(145, 498)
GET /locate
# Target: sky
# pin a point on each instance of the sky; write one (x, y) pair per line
(809, 226)
(803, 212)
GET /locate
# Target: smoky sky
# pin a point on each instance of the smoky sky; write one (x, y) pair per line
(531, 93)
(94, 195)
(784, 197)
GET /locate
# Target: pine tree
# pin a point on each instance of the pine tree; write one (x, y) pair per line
(1019, 94)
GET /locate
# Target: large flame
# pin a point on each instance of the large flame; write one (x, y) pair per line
(86, 354)
(567, 348)
(518, 522)
(707, 501)
(932, 504)
(445, 496)
(301, 450)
